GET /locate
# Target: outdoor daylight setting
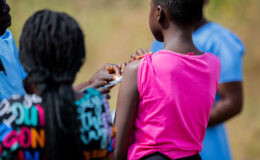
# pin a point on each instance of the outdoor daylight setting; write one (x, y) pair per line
(129, 79)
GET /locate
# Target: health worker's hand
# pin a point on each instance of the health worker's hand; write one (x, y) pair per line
(139, 54)
(101, 78)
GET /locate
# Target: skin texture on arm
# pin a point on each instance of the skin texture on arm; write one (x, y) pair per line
(139, 54)
(127, 104)
(230, 104)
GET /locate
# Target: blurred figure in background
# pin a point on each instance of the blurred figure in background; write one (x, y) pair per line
(212, 37)
(11, 71)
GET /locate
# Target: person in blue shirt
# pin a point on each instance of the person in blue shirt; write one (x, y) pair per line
(212, 37)
(12, 73)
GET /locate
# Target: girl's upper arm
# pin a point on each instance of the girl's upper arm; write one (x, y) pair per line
(127, 103)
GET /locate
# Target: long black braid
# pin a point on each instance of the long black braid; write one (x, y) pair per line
(52, 52)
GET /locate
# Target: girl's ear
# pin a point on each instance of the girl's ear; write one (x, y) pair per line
(161, 14)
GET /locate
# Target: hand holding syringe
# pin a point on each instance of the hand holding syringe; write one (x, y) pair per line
(140, 53)
(117, 77)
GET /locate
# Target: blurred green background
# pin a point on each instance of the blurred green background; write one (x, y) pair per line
(115, 28)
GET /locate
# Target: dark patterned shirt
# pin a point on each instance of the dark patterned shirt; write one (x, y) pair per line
(22, 131)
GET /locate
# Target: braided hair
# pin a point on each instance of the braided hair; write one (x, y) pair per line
(52, 52)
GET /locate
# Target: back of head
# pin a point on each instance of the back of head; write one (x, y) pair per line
(52, 52)
(52, 42)
(5, 18)
(183, 12)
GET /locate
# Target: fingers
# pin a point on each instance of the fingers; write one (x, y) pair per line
(132, 59)
(108, 77)
(137, 58)
(104, 90)
(107, 73)
(122, 67)
(141, 51)
(97, 84)
(139, 54)
(140, 57)
(112, 69)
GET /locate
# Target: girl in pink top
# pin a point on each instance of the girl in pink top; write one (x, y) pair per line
(165, 99)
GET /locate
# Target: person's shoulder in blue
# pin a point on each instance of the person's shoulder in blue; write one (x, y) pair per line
(11, 71)
(12, 74)
(214, 38)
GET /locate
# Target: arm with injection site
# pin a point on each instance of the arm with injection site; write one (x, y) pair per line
(127, 104)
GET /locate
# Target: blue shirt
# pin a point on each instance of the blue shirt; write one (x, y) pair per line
(11, 81)
(218, 40)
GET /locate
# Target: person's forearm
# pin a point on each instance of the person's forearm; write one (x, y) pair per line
(100, 78)
(223, 111)
(81, 86)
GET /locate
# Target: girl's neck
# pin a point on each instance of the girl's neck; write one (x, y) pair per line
(179, 40)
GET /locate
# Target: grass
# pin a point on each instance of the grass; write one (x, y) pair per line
(115, 28)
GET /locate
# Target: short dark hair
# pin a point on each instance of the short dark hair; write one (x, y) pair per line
(183, 12)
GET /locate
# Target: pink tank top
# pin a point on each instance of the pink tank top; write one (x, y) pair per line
(176, 94)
